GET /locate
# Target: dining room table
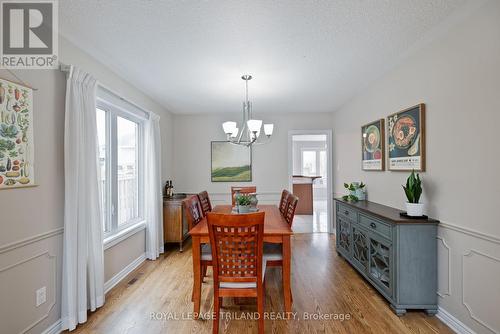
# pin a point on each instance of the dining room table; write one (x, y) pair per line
(276, 230)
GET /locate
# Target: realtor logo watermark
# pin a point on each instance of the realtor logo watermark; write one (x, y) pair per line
(29, 36)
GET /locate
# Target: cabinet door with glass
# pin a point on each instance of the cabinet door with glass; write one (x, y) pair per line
(380, 263)
(360, 247)
(344, 241)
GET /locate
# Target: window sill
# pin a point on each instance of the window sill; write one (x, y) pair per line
(123, 234)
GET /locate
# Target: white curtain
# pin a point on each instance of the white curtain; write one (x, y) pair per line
(152, 188)
(83, 263)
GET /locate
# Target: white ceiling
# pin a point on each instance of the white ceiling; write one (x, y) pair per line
(305, 56)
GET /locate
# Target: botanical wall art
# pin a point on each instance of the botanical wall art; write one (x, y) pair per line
(16, 135)
(372, 143)
(407, 139)
(231, 163)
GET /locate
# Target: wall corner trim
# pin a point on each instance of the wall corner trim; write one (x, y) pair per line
(456, 325)
(55, 328)
(113, 281)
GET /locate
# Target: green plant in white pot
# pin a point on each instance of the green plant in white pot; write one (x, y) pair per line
(413, 190)
(243, 202)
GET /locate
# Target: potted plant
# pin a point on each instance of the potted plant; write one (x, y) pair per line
(243, 203)
(413, 190)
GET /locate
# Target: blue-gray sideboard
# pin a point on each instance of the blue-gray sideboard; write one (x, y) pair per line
(397, 255)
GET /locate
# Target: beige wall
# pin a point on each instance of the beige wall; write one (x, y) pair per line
(31, 219)
(193, 134)
(458, 77)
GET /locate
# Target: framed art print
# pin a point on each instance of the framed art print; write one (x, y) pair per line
(16, 136)
(231, 163)
(406, 139)
(372, 145)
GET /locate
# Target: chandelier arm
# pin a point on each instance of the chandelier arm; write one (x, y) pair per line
(245, 137)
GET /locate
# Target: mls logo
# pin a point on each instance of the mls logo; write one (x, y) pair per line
(28, 34)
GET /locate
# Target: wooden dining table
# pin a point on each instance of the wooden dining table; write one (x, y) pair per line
(276, 230)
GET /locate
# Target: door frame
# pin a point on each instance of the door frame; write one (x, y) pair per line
(329, 186)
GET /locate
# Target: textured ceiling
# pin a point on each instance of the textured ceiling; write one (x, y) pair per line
(305, 56)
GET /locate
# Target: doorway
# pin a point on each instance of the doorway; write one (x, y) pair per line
(310, 178)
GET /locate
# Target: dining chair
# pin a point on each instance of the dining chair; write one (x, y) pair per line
(238, 266)
(194, 214)
(273, 253)
(206, 205)
(284, 201)
(242, 190)
(291, 205)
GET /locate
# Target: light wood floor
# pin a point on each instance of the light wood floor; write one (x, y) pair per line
(322, 282)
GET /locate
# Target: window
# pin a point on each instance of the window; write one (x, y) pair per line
(120, 146)
(309, 163)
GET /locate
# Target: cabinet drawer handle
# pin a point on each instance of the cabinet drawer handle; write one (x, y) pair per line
(346, 212)
(373, 225)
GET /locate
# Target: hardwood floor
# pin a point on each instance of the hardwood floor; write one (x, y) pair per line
(322, 283)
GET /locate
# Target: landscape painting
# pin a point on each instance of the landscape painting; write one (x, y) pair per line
(231, 163)
(16, 135)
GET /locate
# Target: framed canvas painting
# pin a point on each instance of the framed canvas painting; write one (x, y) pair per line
(16, 136)
(230, 162)
(372, 144)
(406, 139)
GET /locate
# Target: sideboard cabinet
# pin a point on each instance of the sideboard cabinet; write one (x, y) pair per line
(175, 226)
(398, 256)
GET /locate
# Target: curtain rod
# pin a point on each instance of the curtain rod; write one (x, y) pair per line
(66, 68)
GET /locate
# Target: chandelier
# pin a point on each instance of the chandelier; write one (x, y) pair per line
(249, 131)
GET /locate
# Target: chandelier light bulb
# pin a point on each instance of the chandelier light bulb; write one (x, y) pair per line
(229, 127)
(268, 129)
(254, 125)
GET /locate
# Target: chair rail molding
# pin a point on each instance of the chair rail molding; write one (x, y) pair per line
(470, 254)
(470, 232)
(30, 240)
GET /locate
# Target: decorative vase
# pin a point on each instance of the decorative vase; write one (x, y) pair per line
(253, 200)
(415, 209)
(360, 193)
(243, 208)
(236, 195)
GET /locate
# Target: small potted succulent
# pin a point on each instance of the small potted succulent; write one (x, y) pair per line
(243, 203)
(413, 190)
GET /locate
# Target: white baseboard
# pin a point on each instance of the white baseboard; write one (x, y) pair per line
(456, 325)
(55, 328)
(124, 272)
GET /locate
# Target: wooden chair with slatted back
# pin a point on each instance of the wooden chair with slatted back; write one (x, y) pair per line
(242, 190)
(206, 205)
(284, 201)
(194, 214)
(238, 266)
(274, 252)
(291, 205)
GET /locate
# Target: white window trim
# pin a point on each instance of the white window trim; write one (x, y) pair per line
(125, 230)
(124, 233)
